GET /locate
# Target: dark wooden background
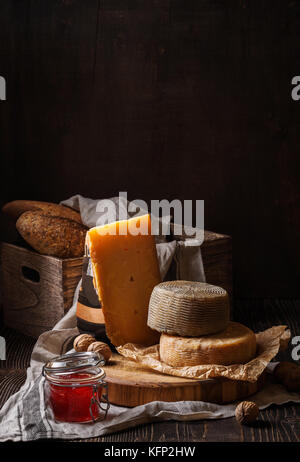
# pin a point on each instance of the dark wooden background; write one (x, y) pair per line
(187, 99)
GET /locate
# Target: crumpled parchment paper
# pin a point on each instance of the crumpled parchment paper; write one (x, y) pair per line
(268, 344)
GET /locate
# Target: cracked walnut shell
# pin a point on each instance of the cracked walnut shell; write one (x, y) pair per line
(101, 348)
(246, 412)
(82, 342)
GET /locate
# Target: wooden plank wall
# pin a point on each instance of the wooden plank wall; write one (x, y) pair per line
(163, 99)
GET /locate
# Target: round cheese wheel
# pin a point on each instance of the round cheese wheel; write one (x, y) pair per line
(235, 345)
(188, 308)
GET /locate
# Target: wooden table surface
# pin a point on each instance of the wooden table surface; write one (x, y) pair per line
(276, 423)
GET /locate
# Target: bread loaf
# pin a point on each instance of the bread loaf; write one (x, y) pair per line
(15, 209)
(188, 308)
(235, 345)
(52, 235)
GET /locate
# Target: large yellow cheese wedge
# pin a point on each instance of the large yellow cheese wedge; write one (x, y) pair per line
(235, 345)
(125, 269)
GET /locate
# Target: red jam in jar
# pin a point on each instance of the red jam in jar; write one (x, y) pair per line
(75, 387)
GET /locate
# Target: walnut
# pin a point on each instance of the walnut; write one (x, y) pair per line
(246, 412)
(288, 374)
(101, 348)
(82, 342)
(285, 340)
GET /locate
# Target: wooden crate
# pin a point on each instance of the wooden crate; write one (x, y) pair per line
(216, 251)
(37, 289)
(217, 260)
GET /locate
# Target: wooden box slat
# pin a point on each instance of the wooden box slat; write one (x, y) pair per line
(34, 307)
(216, 251)
(217, 260)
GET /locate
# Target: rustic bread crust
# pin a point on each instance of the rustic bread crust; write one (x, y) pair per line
(15, 209)
(52, 235)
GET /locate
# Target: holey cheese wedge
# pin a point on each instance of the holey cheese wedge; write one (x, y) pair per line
(188, 308)
(125, 269)
(235, 345)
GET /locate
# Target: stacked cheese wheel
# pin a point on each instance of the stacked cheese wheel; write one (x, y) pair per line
(193, 319)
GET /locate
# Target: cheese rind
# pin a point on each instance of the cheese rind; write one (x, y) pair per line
(125, 269)
(188, 308)
(235, 345)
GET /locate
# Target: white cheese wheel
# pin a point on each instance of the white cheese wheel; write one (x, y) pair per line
(235, 345)
(188, 308)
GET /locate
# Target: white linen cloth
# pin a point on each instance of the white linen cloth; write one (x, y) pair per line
(26, 416)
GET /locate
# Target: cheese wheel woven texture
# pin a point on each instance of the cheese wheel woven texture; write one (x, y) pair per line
(235, 345)
(188, 308)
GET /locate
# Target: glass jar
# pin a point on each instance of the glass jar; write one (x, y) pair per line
(76, 388)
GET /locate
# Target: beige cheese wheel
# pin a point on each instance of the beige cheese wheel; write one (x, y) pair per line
(188, 308)
(235, 345)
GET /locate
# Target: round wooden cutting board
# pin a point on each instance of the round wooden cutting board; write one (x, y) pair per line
(130, 384)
